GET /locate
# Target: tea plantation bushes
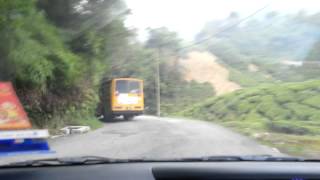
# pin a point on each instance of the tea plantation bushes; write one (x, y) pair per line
(291, 109)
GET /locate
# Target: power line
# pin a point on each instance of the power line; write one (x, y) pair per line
(225, 29)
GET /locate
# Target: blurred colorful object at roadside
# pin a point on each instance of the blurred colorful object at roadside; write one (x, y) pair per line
(12, 114)
(16, 135)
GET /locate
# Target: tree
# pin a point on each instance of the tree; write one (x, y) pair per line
(162, 38)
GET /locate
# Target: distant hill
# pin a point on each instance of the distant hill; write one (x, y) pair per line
(271, 38)
(277, 44)
(286, 115)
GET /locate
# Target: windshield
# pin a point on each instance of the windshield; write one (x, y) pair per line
(159, 78)
(122, 86)
(127, 86)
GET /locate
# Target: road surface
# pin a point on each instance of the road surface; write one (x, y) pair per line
(153, 137)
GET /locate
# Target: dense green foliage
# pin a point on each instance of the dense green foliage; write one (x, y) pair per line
(54, 69)
(290, 109)
(37, 60)
(186, 94)
(57, 52)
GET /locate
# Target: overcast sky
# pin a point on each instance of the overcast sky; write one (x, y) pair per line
(187, 17)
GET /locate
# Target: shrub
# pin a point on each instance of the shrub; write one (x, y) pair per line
(313, 101)
(290, 108)
(301, 111)
(287, 127)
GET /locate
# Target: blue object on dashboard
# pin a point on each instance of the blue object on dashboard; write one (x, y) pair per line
(23, 146)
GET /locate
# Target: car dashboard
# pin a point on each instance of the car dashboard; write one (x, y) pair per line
(170, 170)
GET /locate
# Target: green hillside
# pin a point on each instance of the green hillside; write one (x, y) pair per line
(286, 116)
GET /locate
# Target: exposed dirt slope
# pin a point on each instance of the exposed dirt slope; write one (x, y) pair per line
(203, 67)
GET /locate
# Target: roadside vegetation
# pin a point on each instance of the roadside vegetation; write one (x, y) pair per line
(282, 115)
(56, 52)
(275, 59)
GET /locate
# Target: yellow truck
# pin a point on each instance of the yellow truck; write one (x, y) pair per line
(122, 97)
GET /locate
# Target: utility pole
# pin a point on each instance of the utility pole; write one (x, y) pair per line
(157, 80)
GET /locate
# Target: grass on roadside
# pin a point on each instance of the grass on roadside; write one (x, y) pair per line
(58, 122)
(288, 113)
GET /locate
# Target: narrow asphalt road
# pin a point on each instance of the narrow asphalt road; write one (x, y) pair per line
(153, 137)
